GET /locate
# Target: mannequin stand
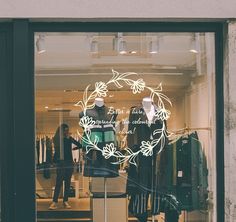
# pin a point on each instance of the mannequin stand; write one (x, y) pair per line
(153, 218)
(105, 199)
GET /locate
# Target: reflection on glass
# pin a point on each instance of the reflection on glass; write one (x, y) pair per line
(125, 126)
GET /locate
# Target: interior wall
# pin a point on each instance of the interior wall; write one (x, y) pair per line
(200, 110)
(177, 118)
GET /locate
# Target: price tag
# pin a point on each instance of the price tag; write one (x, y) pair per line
(180, 173)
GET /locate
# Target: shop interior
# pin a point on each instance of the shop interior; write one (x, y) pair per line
(67, 63)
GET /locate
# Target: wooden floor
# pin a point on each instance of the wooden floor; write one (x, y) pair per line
(81, 212)
(82, 204)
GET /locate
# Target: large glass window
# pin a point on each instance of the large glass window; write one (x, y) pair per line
(125, 126)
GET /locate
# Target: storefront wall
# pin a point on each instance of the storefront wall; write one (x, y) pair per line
(158, 11)
(230, 123)
(116, 9)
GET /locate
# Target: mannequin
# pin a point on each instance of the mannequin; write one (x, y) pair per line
(142, 180)
(99, 102)
(104, 130)
(149, 109)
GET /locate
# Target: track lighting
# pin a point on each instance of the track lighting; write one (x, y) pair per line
(40, 44)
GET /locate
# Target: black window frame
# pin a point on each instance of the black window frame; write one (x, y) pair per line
(21, 102)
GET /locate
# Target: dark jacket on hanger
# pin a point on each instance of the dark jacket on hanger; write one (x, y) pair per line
(183, 172)
(95, 163)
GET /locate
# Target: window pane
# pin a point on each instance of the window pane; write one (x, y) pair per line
(125, 126)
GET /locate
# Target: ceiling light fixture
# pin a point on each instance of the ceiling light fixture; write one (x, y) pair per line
(119, 44)
(193, 45)
(122, 47)
(94, 47)
(40, 44)
(154, 46)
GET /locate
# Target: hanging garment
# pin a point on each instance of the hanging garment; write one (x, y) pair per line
(49, 150)
(44, 150)
(142, 179)
(183, 173)
(47, 157)
(103, 131)
(40, 151)
(37, 152)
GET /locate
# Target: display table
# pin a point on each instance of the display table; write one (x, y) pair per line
(109, 198)
(117, 208)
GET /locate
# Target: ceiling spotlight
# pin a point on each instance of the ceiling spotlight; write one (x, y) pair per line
(119, 44)
(122, 47)
(46, 107)
(193, 45)
(154, 47)
(133, 52)
(40, 44)
(94, 47)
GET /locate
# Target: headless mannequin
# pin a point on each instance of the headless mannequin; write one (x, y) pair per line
(96, 165)
(150, 113)
(99, 102)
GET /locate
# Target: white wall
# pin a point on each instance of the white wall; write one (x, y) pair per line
(117, 9)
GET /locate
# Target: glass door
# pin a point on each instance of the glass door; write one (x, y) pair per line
(125, 126)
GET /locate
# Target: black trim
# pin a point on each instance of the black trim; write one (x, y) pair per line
(24, 127)
(125, 26)
(19, 103)
(219, 82)
(217, 28)
(6, 126)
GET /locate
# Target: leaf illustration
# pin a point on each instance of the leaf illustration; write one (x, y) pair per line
(85, 96)
(132, 160)
(81, 104)
(128, 82)
(157, 131)
(165, 98)
(119, 154)
(127, 74)
(159, 87)
(118, 85)
(91, 106)
(129, 151)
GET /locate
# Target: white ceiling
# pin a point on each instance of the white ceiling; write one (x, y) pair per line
(69, 65)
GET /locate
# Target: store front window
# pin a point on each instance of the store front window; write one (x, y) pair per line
(125, 126)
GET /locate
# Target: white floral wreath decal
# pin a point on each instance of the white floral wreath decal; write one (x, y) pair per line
(137, 86)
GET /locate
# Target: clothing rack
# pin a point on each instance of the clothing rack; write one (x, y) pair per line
(51, 135)
(191, 129)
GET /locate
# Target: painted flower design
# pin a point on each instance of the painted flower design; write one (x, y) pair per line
(108, 150)
(101, 89)
(86, 122)
(138, 86)
(146, 148)
(162, 114)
